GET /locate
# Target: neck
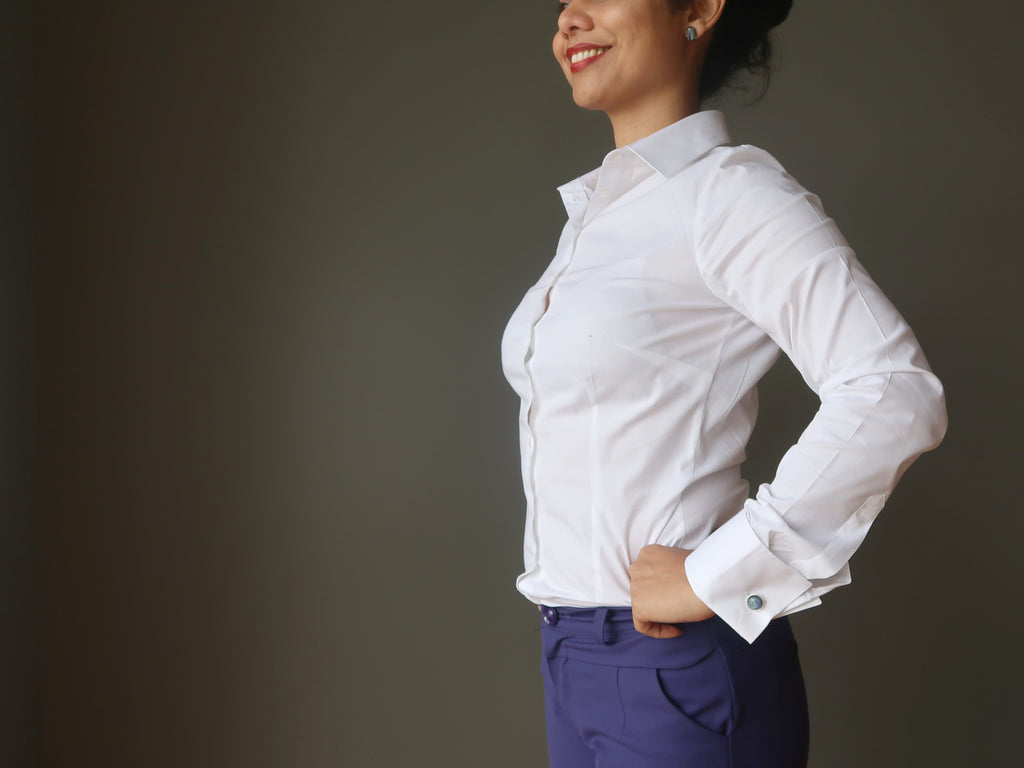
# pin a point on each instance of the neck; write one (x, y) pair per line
(634, 125)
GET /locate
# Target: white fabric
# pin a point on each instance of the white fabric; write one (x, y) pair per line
(684, 267)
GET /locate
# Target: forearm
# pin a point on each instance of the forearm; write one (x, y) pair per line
(791, 543)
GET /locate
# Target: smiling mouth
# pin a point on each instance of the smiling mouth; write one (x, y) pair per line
(582, 57)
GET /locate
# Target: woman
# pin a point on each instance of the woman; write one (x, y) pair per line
(685, 266)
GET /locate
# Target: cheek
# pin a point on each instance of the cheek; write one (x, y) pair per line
(557, 49)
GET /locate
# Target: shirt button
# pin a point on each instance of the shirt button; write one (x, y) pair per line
(755, 602)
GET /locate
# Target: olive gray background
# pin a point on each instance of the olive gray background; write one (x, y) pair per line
(261, 494)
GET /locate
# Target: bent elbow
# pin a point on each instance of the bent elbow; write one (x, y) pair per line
(939, 417)
(929, 420)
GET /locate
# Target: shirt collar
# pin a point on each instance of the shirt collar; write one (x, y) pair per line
(676, 146)
(666, 152)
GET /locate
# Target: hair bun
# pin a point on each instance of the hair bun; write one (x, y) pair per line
(771, 12)
(780, 11)
(741, 41)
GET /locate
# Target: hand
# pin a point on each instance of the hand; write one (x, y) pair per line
(661, 593)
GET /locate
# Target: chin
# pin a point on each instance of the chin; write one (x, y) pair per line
(586, 101)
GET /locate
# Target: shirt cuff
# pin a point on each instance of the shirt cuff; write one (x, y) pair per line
(739, 578)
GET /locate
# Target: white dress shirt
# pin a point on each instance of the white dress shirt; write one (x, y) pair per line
(684, 267)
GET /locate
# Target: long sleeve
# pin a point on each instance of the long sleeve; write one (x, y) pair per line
(765, 247)
(685, 267)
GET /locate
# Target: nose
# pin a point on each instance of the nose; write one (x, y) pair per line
(574, 18)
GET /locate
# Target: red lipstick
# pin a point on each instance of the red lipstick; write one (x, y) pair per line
(597, 51)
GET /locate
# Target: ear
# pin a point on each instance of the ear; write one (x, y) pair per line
(704, 14)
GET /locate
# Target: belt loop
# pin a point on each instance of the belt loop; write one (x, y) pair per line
(600, 620)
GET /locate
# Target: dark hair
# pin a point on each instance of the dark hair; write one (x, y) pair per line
(739, 41)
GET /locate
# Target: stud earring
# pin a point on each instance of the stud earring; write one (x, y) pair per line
(691, 33)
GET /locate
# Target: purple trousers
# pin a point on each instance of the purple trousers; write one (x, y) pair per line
(616, 698)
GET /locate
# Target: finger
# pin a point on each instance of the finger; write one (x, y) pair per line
(656, 629)
(666, 631)
(662, 631)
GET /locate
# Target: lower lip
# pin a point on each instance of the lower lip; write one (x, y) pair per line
(579, 65)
